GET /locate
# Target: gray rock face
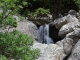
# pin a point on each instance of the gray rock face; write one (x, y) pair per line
(50, 51)
(79, 18)
(60, 22)
(75, 55)
(74, 34)
(72, 12)
(28, 28)
(69, 27)
(67, 45)
(64, 20)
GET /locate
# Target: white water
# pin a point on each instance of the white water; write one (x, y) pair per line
(43, 36)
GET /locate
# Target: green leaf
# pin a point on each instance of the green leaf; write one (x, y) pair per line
(20, 6)
(25, 3)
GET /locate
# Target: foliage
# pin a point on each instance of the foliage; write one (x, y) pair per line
(3, 57)
(42, 12)
(10, 21)
(7, 20)
(22, 6)
(16, 45)
(31, 15)
(6, 17)
(78, 3)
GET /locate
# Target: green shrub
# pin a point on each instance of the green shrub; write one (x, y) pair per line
(31, 15)
(16, 45)
(42, 12)
(10, 21)
(3, 57)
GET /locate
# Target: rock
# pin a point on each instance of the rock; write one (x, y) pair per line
(72, 12)
(75, 54)
(79, 18)
(71, 18)
(60, 43)
(70, 40)
(75, 35)
(28, 28)
(64, 20)
(67, 45)
(60, 22)
(65, 29)
(49, 51)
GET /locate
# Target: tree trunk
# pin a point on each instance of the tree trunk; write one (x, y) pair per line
(57, 9)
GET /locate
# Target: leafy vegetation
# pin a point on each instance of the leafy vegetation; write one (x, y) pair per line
(16, 45)
(42, 12)
(2, 57)
(7, 13)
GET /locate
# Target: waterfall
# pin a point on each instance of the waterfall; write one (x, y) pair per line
(43, 36)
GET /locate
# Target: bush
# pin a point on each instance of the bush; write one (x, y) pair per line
(10, 21)
(42, 12)
(3, 57)
(16, 45)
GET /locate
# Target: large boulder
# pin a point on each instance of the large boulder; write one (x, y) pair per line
(75, 54)
(50, 51)
(64, 20)
(65, 29)
(66, 44)
(60, 22)
(28, 28)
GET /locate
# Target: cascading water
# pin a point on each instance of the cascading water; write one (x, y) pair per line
(43, 36)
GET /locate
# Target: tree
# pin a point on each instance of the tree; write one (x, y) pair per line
(61, 6)
(55, 7)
